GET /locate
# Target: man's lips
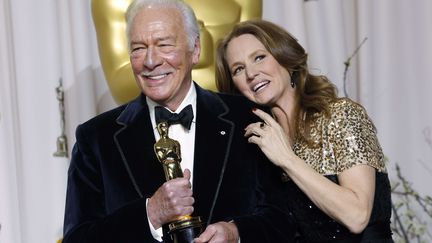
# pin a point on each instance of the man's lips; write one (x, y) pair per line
(260, 85)
(155, 76)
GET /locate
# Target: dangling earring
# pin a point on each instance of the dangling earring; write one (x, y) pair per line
(293, 79)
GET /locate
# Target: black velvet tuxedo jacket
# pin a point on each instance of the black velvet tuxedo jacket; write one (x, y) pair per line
(114, 170)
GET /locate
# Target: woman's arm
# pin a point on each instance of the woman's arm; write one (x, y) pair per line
(349, 203)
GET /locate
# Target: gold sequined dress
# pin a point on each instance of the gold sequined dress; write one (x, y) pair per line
(340, 141)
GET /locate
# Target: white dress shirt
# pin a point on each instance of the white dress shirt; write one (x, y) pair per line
(185, 137)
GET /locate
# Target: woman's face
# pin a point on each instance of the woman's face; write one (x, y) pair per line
(256, 73)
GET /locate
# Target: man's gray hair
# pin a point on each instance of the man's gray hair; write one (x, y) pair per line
(188, 15)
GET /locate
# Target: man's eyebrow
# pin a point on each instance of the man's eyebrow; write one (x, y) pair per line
(164, 38)
(135, 42)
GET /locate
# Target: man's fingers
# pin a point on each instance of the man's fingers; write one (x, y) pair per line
(206, 236)
(219, 232)
(187, 174)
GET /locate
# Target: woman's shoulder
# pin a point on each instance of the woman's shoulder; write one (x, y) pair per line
(345, 105)
(349, 121)
(346, 110)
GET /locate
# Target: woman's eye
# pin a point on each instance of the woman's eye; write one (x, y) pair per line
(259, 57)
(237, 70)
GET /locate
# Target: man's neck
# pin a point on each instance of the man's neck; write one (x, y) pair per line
(176, 106)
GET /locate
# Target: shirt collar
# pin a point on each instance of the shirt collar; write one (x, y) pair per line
(189, 99)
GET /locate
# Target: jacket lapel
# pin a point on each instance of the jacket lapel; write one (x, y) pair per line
(213, 137)
(135, 144)
(212, 142)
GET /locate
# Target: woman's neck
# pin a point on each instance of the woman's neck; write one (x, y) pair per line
(286, 119)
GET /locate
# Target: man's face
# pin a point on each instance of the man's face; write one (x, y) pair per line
(161, 58)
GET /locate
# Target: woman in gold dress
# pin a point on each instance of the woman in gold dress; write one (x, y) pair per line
(337, 185)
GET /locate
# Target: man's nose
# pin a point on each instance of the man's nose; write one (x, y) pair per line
(152, 59)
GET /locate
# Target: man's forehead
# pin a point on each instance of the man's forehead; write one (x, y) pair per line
(157, 21)
(155, 32)
(166, 15)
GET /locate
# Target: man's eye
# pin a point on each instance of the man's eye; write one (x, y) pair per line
(137, 49)
(165, 45)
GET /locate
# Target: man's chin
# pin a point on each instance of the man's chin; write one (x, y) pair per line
(157, 98)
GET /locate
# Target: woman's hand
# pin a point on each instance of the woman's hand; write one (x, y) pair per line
(271, 138)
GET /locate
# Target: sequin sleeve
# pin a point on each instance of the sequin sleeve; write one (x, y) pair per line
(354, 137)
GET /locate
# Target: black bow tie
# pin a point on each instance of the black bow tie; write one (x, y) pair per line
(184, 117)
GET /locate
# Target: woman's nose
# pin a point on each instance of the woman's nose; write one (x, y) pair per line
(251, 73)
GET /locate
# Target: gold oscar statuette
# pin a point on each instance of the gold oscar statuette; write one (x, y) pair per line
(187, 227)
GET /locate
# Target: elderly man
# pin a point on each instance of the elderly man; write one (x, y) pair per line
(116, 187)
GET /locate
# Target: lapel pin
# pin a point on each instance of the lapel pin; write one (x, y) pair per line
(222, 132)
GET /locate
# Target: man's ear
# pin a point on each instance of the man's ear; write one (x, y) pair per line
(196, 51)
